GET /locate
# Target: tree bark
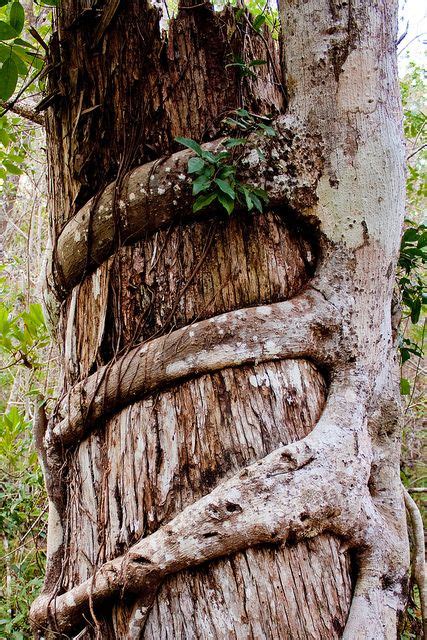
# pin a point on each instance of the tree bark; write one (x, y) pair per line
(224, 460)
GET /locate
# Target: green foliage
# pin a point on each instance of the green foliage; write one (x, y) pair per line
(214, 175)
(261, 14)
(413, 251)
(413, 256)
(22, 523)
(17, 55)
(23, 511)
(22, 334)
(246, 69)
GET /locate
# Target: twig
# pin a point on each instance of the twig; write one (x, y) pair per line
(417, 151)
(24, 112)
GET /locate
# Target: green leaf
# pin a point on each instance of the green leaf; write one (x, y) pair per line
(248, 199)
(195, 165)
(8, 79)
(204, 201)
(257, 202)
(191, 144)
(258, 22)
(415, 310)
(24, 43)
(4, 138)
(200, 184)
(208, 172)
(210, 157)
(234, 142)
(7, 32)
(17, 17)
(225, 188)
(405, 387)
(256, 63)
(226, 202)
(268, 130)
(235, 123)
(226, 171)
(12, 168)
(6, 52)
(410, 235)
(261, 194)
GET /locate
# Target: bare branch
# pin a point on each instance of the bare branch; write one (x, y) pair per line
(23, 111)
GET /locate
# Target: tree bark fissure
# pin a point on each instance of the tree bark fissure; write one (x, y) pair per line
(337, 162)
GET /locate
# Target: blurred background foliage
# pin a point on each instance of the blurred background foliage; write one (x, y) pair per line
(28, 358)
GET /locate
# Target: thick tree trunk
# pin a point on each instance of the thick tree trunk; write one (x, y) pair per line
(198, 349)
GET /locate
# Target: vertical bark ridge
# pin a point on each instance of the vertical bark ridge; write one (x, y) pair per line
(170, 450)
(183, 274)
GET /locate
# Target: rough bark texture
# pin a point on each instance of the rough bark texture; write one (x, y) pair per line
(204, 482)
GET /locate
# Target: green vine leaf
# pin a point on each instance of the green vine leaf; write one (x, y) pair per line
(7, 32)
(225, 188)
(195, 165)
(17, 17)
(191, 144)
(203, 201)
(8, 78)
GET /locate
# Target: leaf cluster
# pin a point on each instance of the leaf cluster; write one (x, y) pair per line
(17, 54)
(412, 258)
(22, 333)
(22, 504)
(214, 175)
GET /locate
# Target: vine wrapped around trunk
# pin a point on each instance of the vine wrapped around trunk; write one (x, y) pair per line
(336, 170)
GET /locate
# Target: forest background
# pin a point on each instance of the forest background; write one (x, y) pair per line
(29, 361)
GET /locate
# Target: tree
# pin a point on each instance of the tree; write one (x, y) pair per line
(224, 461)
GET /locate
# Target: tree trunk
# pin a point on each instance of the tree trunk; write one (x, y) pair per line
(224, 460)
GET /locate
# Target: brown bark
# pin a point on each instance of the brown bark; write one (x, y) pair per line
(121, 101)
(198, 433)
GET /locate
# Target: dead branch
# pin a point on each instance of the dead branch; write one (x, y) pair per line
(24, 111)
